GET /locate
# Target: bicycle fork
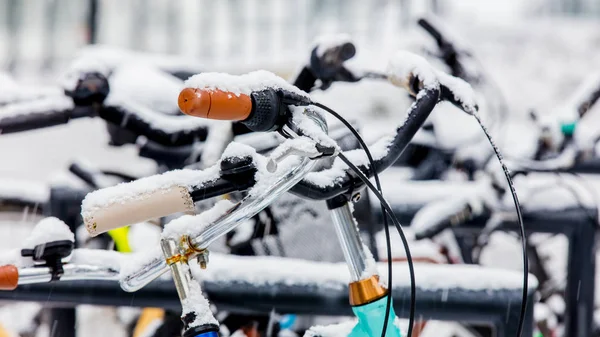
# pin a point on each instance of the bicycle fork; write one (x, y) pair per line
(177, 255)
(367, 297)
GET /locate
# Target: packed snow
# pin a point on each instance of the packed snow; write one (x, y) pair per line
(241, 84)
(326, 42)
(147, 86)
(114, 57)
(159, 121)
(42, 105)
(193, 225)
(48, 230)
(275, 270)
(141, 188)
(69, 79)
(27, 190)
(404, 64)
(196, 303)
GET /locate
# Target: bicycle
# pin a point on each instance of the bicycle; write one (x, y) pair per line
(281, 172)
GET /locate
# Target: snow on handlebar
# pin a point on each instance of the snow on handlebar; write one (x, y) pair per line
(171, 192)
(404, 65)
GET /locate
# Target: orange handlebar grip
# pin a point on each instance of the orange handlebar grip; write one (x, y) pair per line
(214, 104)
(9, 277)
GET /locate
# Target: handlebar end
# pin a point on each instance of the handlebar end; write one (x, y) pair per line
(9, 277)
(214, 104)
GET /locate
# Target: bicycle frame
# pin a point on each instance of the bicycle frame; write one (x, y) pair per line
(367, 297)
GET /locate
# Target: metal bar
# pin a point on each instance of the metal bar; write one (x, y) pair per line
(579, 292)
(92, 22)
(349, 238)
(459, 304)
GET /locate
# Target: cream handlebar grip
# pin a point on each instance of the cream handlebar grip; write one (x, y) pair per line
(151, 205)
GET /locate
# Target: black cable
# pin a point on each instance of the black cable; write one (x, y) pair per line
(521, 225)
(385, 228)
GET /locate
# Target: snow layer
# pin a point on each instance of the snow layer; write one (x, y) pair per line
(157, 120)
(241, 84)
(97, 257)
(12, 92)
(404, 64)
(273, 270)
(331, 176)
(193, 225)
(24, 190)
(219, 136)
(113, 57)
(78, 68)
(141, 188)
(47, 230)
(437, 211)
(325, 42)
(47, 104)
(147, 86)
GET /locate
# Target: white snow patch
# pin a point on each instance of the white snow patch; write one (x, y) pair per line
(47, 105)
(196, 303)
(12, 92)
(241, 84)
(141, 188)
(270, 270)
(325, 42)
(438, 211)
(47, 230)
(342, 329)
(404, 64)
(143, 235)
(24, 190)
(219, 136)
(418, 249)
(78, 68)
(97, 257)
(192, 225)
(331, 176)
(114, 57)
(134, 262)
(147, 86)
(159, 121)
(309, 127)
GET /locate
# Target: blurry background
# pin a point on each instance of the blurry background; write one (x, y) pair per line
(537, 50)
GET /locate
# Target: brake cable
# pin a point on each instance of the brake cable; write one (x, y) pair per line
(385, 211)
(519, 218)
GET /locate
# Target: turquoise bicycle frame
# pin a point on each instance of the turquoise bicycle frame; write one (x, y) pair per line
(370, 320)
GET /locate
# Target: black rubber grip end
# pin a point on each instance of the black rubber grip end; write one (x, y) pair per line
(266, 111)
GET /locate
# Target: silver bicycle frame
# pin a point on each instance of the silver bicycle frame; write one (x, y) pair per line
(355, 252)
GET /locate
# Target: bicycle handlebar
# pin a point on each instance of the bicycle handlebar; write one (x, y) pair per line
(434, 32)
(11, 276)
(13, 119)
(434, 218)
